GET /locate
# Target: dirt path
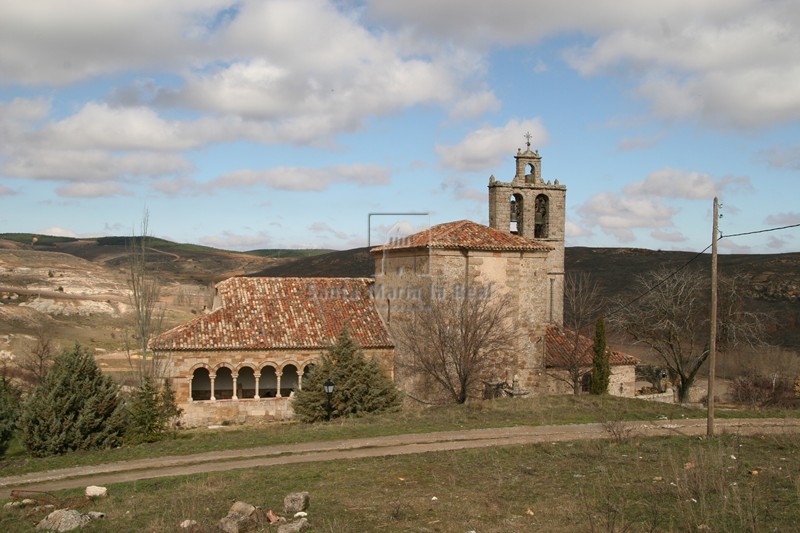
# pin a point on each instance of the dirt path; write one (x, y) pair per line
(105, 474)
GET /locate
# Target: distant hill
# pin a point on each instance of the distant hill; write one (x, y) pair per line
(355, 263)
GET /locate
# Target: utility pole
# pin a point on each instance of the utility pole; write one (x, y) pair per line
(712, 342)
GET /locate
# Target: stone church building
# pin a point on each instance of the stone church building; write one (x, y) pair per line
(245, 358)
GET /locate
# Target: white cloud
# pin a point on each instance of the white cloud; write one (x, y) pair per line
(668, 236)
(619, 215)
(575, 231)
(784, 219)
(677, 183)
(488, 146)
(91, 190)
(54, 42)
(734, 248)
(475, 105)
(57, 231)
(322, 228)
(782, 156)
(303, 179)
(640, 142)
(233, 241)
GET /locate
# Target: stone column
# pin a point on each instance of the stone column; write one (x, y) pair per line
(189, 379)
(235, 378)
(278, 382)
(257, 375)
(299, 380)
(212, 377)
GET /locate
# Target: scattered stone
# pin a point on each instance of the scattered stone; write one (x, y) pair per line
(658, 478)
(300, 514)
(93, 491)
(295, 502)
(294, 527)
(40, 508)
(239, 515)
(11, 505)
(188, 524)
(96, 515)
(62, 520)
(529, 511)
(28, 501)
(689, 465)
(754, 472)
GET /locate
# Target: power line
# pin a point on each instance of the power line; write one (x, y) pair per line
(687, 263)
(758, 231)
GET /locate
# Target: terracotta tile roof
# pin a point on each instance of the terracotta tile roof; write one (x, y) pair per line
(464, 234)
(271, 313)
(560, 347)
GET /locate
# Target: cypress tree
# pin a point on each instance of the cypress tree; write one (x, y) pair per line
(75, 407)
(9, 402)
(361, 385)
(601, 369)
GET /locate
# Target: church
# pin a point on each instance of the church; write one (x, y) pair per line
(243, 360)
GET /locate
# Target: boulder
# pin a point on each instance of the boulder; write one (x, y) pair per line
(93, 491)
(239, 515)
(62, 520)
(188, 524)
(295, 502)
(294, 527)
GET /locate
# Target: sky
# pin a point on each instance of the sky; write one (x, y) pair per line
(283, 124)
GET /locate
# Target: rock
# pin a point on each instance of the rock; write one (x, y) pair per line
(294, 527)
(188, 524)
(96, 515)
(239, 515)
(11, 505)
(295, 502)
(93, 491)
(300, 514)
(62, 520)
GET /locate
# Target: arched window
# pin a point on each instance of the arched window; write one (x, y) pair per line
(542, 217)
(516, 210)
(268, 384)
(201, 385)
(223, 385)
(246, 383)
(289, 380)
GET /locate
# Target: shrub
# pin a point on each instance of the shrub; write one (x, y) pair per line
(151, 412)
(361, 385)
(9, 402)
(760, 391)
(75, 407)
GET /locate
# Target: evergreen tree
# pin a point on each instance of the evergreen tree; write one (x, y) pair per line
(9, 402)
(75, 407)
(601, 369)
(361, 385)
(151, 412)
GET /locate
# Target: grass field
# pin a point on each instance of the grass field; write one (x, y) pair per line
(730, 483)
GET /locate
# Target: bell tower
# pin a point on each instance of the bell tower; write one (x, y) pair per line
(533, 208)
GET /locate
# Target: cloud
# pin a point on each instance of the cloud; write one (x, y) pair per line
(668, 236)
(573, 230)
(618, 215)
(303, 179)
(777, 243)
(488, 146)
(475, 105)
(782, 157)
(677, 183)
(460, 189)
(5, 191)
(732, 247)
(229, 240)
(57, 231)
(641, 142)
(91, 190)
(322, 228)
(783, 219)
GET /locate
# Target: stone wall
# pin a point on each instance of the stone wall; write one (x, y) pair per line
(271, 366)
(621, 383)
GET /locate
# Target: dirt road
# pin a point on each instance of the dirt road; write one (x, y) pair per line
(105, 474)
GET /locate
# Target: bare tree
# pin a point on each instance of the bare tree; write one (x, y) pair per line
(583, 305)
(144, 296)
(39, 359)
(456, 341)
(671, 317)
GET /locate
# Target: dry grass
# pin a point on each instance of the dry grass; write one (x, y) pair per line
(658, 484)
